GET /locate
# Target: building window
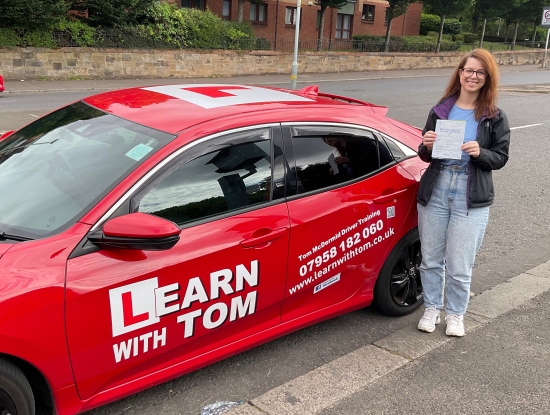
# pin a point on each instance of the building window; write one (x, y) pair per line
(368, 13)
(290, 16)
(193, 4)
(226, 9)
(343, 26)
(387, 15)
(258, 13)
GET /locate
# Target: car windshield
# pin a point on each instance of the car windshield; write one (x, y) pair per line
(56, 168)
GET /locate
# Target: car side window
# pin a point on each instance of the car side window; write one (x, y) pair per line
(234, 176)
(397, 153)
(325, 158)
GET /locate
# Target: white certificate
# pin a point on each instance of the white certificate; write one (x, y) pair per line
(450, 137)
(333, 164)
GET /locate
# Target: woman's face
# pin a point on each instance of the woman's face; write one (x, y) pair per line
(472, 76)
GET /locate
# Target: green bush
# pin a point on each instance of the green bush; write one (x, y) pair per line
(8, 38)
(192, 28)
(429, 23)
(41, 38)
(541, 34)
(369, 43)
(82, 34)
(470, 37)
(452, 27)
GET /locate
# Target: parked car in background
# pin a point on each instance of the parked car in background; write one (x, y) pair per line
(147, 232)
(1, 83)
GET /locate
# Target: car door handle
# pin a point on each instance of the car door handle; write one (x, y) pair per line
(360, 198)
(385, 198)
(268, 237)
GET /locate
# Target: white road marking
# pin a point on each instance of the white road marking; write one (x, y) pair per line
(525, 126)
(5, 102)
(35, 116)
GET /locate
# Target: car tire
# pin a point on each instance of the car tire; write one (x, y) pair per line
(398, 289)
(16, 397)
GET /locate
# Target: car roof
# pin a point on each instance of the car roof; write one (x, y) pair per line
(173, 108)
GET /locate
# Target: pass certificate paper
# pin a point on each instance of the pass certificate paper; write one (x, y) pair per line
(450, 137)
(333, 164)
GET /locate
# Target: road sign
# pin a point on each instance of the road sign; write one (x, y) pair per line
(546, 17)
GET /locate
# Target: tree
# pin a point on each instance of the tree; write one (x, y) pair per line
(533, 13)
(488, 9)
(396, 8)
(325, 4)
(34, 14)
(513, 11)
(110, 13)
(445, 8)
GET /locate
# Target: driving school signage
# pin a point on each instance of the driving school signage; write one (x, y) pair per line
(546, 17)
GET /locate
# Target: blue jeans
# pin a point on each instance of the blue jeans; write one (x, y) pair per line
(451, 235)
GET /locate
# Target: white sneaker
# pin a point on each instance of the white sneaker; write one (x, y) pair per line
(455, 325)
(429, 320)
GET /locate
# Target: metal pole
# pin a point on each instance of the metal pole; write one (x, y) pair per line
(294, 73)
(546, 50)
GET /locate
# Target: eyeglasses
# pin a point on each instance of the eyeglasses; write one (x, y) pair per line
(468, 72)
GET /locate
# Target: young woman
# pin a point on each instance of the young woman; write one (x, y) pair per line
(454, 195)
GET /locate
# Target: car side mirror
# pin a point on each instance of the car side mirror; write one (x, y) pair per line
(6, 134)
(139, 231)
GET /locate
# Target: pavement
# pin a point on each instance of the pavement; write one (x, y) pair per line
(501, 366)
(30, 86)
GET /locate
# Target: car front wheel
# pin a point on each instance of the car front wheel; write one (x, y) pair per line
(16, 397)
(398, 289)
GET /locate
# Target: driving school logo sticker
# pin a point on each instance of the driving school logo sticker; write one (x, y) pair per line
(215, 95)
(207, 303)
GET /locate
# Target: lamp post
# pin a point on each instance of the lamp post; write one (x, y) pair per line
(545, 50)
(294, 71)
(546, 25)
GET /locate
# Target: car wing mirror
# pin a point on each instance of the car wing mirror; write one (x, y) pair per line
(139, 231)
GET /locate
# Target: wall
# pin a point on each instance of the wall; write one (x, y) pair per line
(33, 63)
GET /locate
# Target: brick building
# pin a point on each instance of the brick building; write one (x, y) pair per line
(275, 19)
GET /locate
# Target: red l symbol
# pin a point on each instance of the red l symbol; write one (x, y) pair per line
(128, 311)
(214, 91)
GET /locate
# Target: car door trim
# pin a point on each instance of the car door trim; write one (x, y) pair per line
(407, 150)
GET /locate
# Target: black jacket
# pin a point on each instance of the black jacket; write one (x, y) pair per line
(493, 136)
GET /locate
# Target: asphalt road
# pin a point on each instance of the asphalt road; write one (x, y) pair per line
(517, 239)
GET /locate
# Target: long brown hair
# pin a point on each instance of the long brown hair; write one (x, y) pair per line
(486, 100)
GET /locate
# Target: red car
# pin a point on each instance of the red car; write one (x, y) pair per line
(147, 232)
(1, 83)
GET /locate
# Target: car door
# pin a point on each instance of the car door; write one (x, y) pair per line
(343, 223)
(131, 313)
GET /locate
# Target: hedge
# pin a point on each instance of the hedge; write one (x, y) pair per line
(165, 27)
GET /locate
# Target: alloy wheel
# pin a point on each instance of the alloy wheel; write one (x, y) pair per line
(405, 284)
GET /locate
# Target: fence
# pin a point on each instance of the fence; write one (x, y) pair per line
(135, 39)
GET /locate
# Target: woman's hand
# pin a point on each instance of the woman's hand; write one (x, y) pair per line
(341, 159)
(428, 140)
(471, 147)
